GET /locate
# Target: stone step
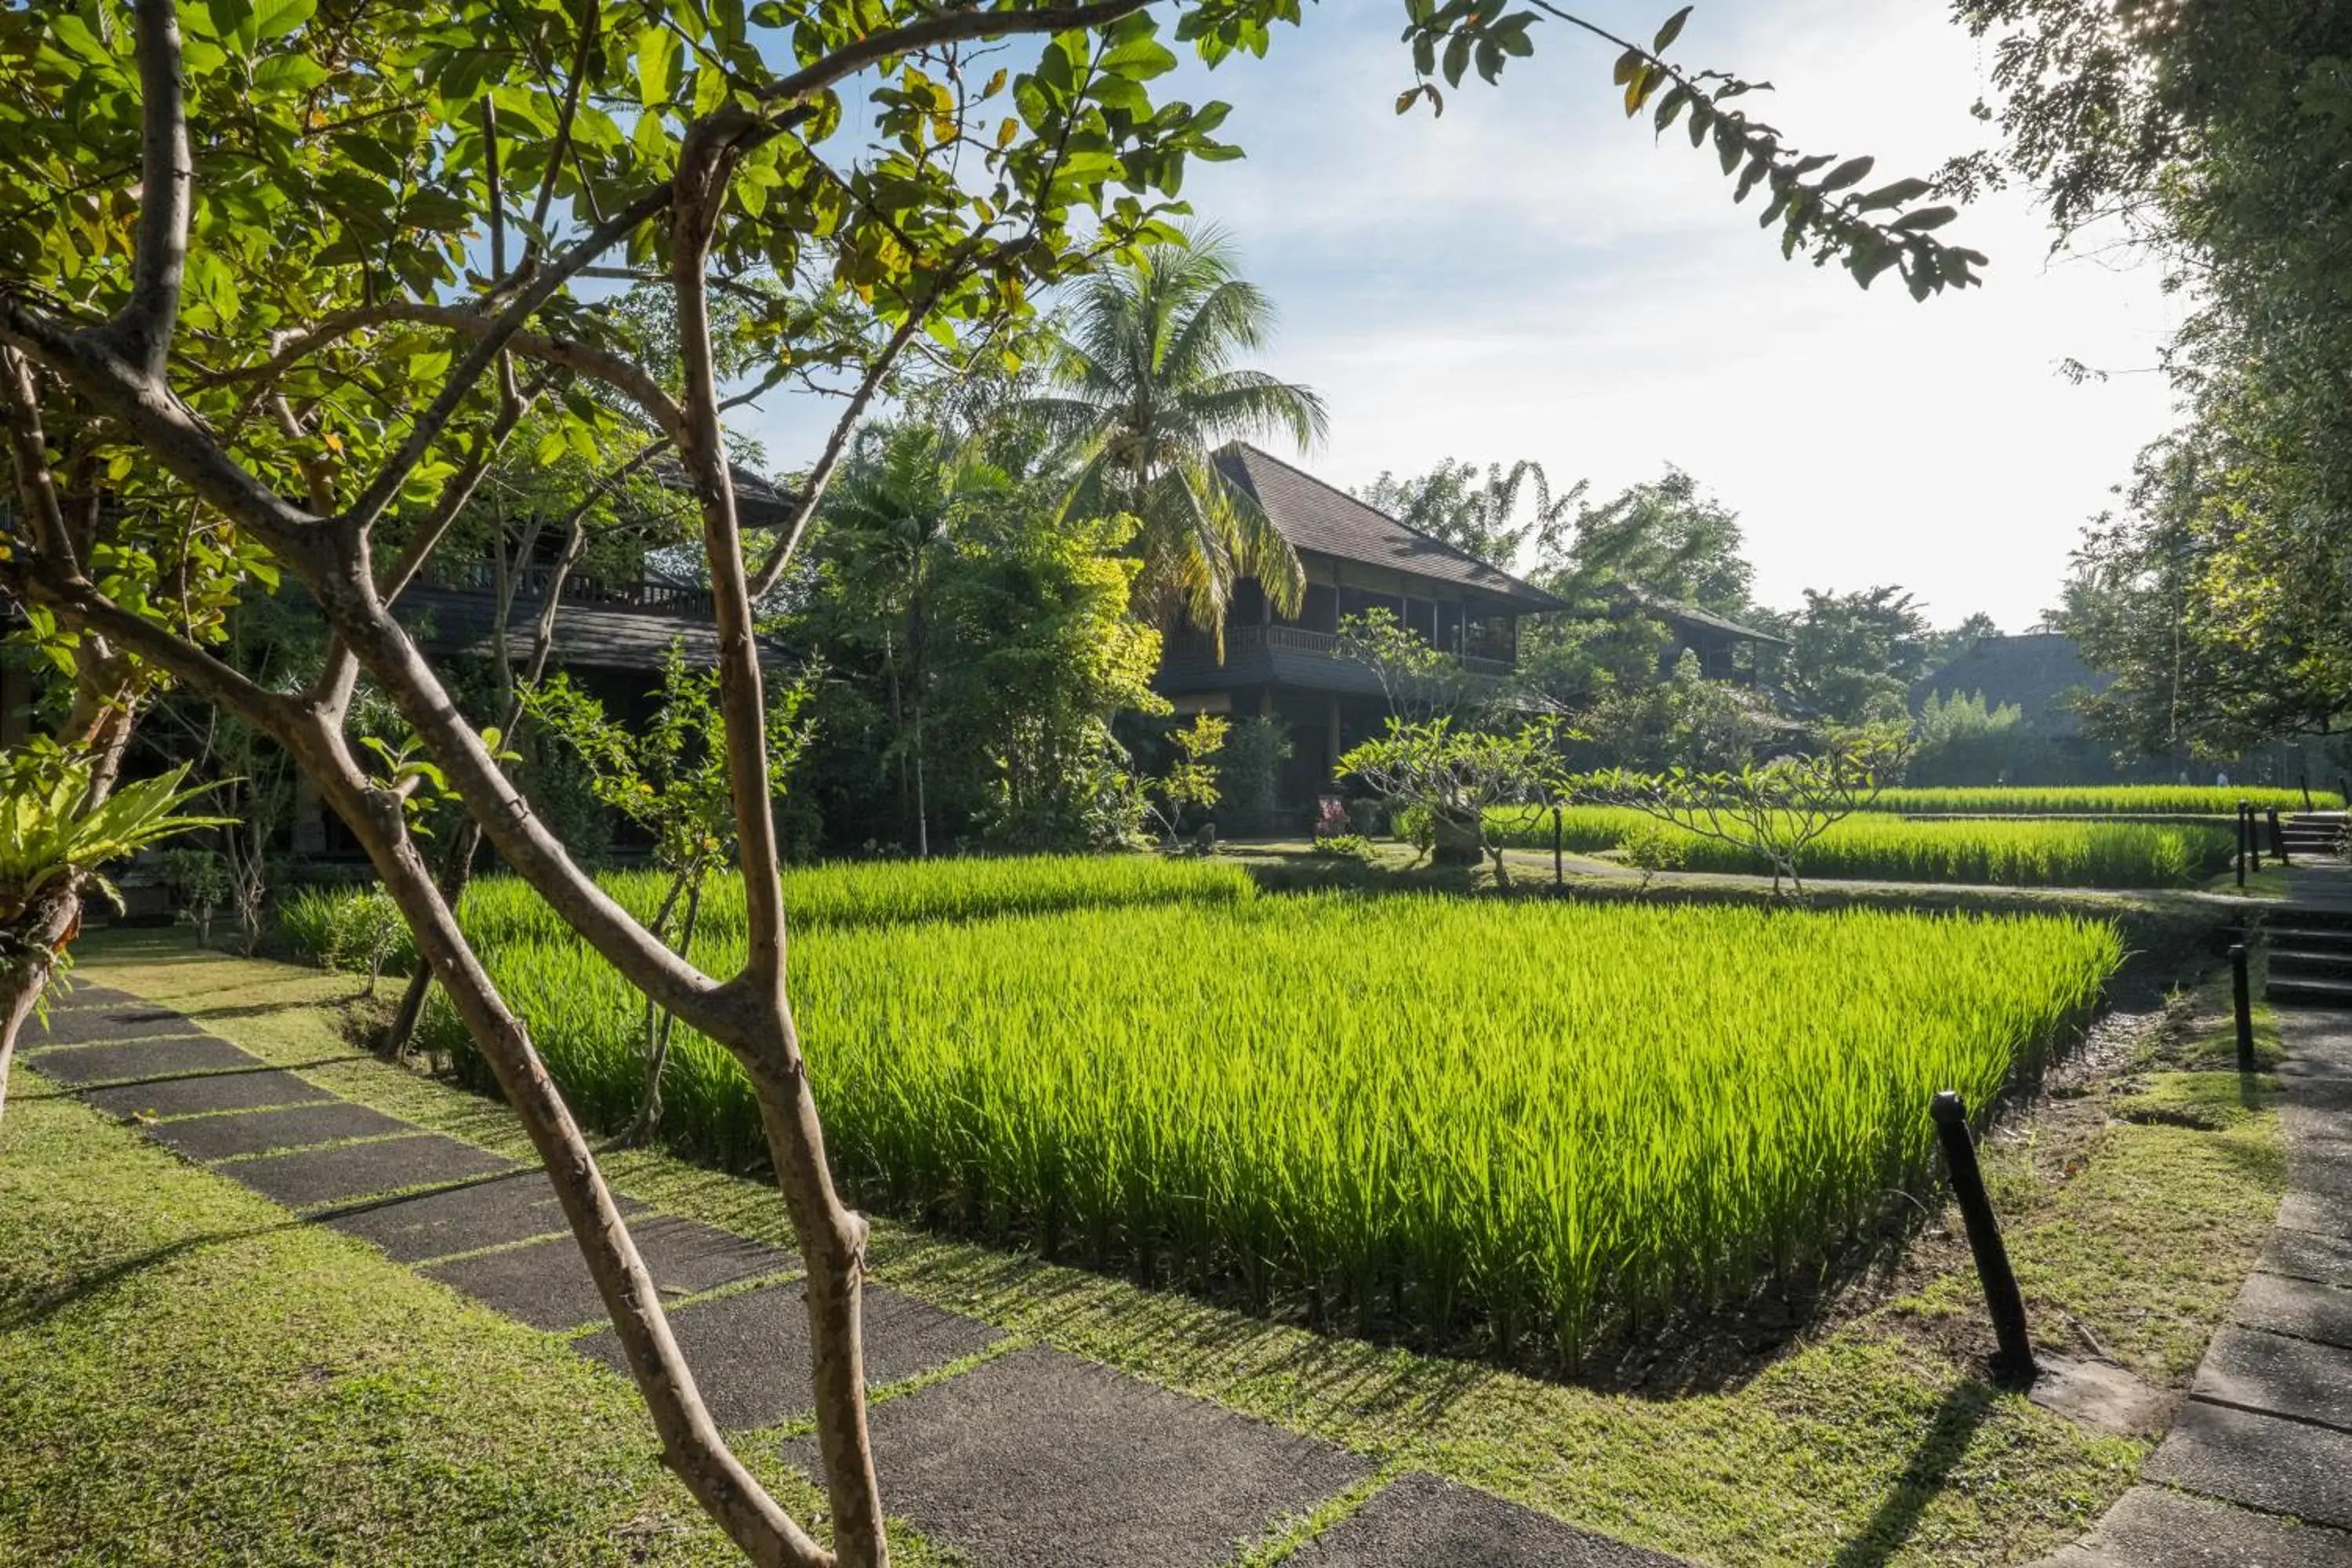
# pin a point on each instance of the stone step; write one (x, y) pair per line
(2320, 963)
(2309, 991)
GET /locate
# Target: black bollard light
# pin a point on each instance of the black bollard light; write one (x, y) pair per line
(2241, 997)
(2014, 1361)
(2278, 838)
(2253, 835)
(1559, 860)
(2242, 846)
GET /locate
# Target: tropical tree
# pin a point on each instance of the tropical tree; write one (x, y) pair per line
(1147, 389)
(345, 269)
(2213, 136)
(1478, 514)
(895, 511)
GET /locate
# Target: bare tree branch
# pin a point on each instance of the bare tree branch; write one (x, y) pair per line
(141, 332)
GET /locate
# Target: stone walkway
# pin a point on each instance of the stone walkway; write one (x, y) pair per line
(2257, 1471)
(1025, 1456)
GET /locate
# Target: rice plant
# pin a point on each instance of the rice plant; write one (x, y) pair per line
(2102, 800)
(1537, 1123)
(1879, 846)
(500, 912)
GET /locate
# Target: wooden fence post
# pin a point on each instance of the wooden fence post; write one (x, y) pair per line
(2014, 1361)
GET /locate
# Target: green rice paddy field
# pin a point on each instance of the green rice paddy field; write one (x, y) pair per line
(1535, 1123)
(2103, 800)
(1882, 847)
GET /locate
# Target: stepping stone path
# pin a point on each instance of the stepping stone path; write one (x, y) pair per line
(1027, 1457)
(2257, 1470)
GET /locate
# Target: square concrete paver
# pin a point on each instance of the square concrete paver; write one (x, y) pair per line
(82, 996)
(2310, 1212)
(362, 1170)
(519, 1206)
(547, 1284)
(2262, 1461)
(2152, 1528)
(1040, 1458)
(1421, 1521)
(2298, 1307)
(220, 1137)
(2321, 1166)
(78, 1065)
(129, 1020)
(750, 1352)
(2302, 1255)
(200, 1096)
(2283, 1376)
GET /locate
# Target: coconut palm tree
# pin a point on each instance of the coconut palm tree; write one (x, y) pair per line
(1145, 390)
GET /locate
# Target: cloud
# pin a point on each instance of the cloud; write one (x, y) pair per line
(1531, 275)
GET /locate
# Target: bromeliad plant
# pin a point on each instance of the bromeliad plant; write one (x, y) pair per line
(53, 840)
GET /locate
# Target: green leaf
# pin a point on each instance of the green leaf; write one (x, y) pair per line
(1670, 32)
(75, 34)
(1926, 219)
(1846, 173)
(276, 19)
(657, 66)
(289, 74)
(1893, 196)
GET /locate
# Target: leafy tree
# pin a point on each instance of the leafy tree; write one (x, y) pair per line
(669, 777)
(1962, 740)
(1943, 646)
(1191, 781)
(1613, 562)
(2217, 133)
(1420, 680)
(288, 330)
(1477, 514)
(1249, 774)
(1687, 721)
(1461, 776)
(1853, 656)
(1147, 390)
(1777, 809)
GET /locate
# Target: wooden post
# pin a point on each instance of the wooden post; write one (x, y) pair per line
(2242, 846)
(2253, 840)
(2242, 995)
(1559, 859)
(2014, 1360)
(2278, 837)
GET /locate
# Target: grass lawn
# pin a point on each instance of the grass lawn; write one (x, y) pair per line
(184, 1376)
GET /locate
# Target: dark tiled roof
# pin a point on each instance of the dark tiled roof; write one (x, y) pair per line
(759, 502)
(1313, 516)
(1668, 609)
(2032, 673)
(456, 622)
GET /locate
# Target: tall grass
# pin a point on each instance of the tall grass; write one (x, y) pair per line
(2105, 800)
(1886, 847)
(500, 912)
(1544, 1120)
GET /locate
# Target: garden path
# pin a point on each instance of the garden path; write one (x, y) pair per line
(2257, 1471)
(1017, 1455)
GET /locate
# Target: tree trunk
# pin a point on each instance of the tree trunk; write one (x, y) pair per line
(691, 1445)
(37, 940)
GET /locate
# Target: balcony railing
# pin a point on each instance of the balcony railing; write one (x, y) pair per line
(1299, 639)
(530, 586)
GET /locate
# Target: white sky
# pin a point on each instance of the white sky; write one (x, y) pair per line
(1531, 275)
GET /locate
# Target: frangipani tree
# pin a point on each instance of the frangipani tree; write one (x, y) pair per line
(309, 263)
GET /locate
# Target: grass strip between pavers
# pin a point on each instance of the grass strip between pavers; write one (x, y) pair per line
(1869, 1442)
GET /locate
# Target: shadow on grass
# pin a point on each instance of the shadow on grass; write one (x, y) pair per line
(40, 1308)
(1933, 1460)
